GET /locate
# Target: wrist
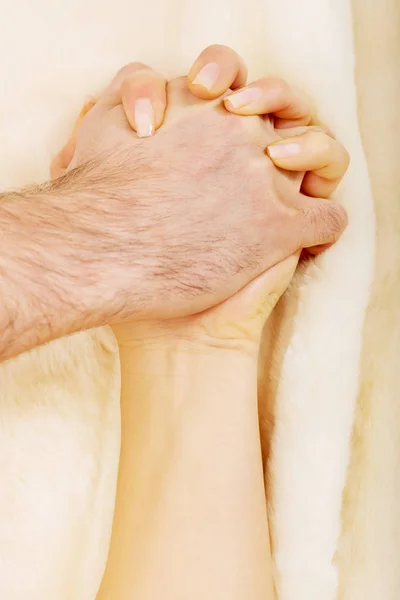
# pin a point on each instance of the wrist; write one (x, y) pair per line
(186, 405)
(188, 337)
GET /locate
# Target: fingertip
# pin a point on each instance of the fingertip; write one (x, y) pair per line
(144, 100)
(309, 151)
(123, 73)
(202, 81)
(285, 154)
(217, 69)
(245, 102)
(230, 108)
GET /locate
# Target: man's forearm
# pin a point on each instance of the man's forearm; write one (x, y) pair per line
(43, 292)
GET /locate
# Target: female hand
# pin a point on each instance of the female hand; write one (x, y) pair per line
(162, 359)
(306, 146)
(234, 325)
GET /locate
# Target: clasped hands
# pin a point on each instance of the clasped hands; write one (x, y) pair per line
(196, 224)
(203, 212)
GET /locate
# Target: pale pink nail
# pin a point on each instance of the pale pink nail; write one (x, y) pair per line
(282, 150)
(207, 76)
(144, 117)
(244, 97)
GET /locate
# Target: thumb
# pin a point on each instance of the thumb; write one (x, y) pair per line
(323, 223)
(60, 163)
(248, 310)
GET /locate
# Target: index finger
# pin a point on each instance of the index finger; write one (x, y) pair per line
(142, 93)
(111, 95)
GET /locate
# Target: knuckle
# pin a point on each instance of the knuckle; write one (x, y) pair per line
(280, 86)
(315, 128)
(322, 148)
(320, 140)
(219, 49)
(346, 159)
(249, 127)
(337, 157)
(324, 128)
(178, 84)
(129, 69)
(144, 85)
(134, 66)
(144, 75)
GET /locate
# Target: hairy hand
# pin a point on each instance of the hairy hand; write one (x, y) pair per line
(236, 324)
(182, 220)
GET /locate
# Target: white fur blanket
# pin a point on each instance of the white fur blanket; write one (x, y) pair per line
(59, 405)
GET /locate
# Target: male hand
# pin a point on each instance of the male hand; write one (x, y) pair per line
(181, 221)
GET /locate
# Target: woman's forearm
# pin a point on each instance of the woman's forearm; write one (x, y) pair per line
(190, 516)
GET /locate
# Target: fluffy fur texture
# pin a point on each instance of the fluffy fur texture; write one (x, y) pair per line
(59, 405)
(318, 376)
(369, 550)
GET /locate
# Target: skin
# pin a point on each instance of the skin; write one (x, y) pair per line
(63, 274)
(313, 148)
(190, 518)
(192, 379)
(60, 271)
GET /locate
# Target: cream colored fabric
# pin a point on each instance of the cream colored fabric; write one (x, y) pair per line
(60, 404)
(59, 445)
(369, 555)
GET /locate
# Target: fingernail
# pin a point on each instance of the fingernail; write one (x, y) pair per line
(243, 97)
(207, 76)
(144, 117)
(283, 150)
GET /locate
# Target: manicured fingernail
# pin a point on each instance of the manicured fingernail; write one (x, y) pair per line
(144, 117)
(243, 97)
(207, 76)
(282, 150)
